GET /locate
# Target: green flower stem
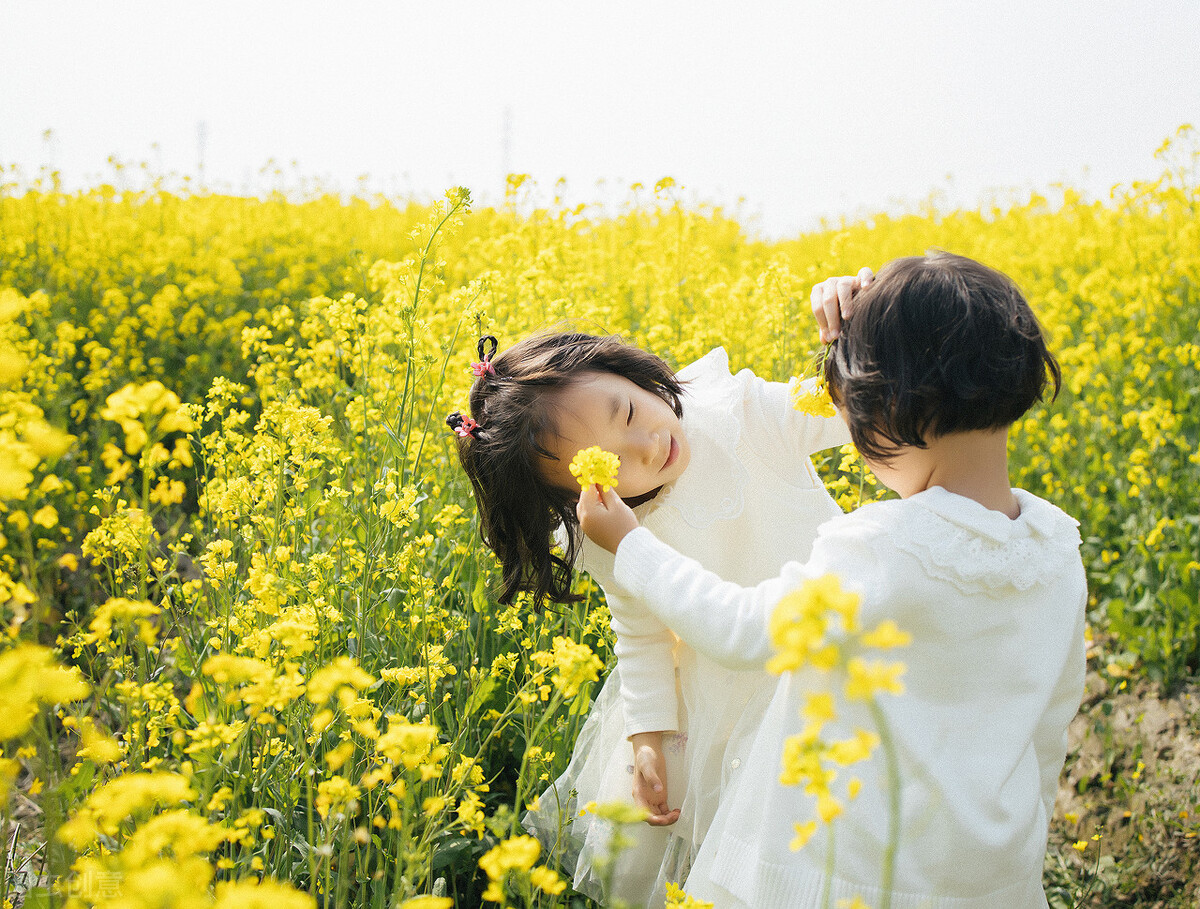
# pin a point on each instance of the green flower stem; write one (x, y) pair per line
(893, 778)
(827, 887)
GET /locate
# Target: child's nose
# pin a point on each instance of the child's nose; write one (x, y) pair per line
(647, 447)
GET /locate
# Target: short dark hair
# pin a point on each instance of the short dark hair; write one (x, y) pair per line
(519, 510)
(937, 344)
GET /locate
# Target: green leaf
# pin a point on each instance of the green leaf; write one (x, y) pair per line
(480, 695)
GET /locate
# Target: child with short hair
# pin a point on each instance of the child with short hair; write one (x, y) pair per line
(940, 356)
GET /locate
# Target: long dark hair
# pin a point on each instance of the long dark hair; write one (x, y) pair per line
(937, 344)
(500, 449)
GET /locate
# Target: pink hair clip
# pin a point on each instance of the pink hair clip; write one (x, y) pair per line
(462, 426)
(487, 349)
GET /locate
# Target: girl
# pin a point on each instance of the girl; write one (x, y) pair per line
(939, 358)
(702, 454)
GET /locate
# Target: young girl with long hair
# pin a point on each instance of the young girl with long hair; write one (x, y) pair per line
(939, 358)
(704, 457)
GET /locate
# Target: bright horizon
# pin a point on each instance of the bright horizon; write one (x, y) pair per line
(781, 113)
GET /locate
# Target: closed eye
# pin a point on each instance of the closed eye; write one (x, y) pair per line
(629, 419)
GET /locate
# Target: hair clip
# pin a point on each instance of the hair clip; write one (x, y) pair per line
(463, 426)
(483, 366)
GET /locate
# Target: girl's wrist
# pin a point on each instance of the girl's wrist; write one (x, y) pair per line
(646, 740)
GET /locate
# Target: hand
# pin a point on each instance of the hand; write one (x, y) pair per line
(604, 517)
(832, 301)
(650, 779)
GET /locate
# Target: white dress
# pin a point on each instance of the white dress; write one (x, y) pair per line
(749, 500)
(995, 672)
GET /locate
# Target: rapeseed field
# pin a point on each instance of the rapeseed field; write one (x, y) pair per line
(251, 653)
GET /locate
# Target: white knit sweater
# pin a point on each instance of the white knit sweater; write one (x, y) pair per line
(995, 673)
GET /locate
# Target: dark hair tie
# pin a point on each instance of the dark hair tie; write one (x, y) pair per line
(483, 366)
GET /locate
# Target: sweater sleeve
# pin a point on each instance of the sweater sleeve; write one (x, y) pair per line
(644, 649)
(723, 621)
(769, 404)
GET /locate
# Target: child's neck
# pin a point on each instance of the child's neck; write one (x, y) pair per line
(971, 464)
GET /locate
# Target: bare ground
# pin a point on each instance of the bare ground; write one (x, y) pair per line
(1133, 778)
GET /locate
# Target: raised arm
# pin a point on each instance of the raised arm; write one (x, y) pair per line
(785, 430)
(724, 621)
(770, 404)
(721, 620)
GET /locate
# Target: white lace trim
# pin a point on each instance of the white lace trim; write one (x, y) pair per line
(713, 486)
(977, 552)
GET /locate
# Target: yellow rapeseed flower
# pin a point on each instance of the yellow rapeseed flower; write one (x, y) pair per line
(803, 833)
(866, 679)
(122, 611)
(428, 902)
(183, 832)
(119, 799)
(30, 678)
(850, 751)
(678, 899)
(819, 707)
(95, 745)
(619, 812)
(411, 744)
(547, 881)
(574, 664)
(885, 635)
(595, 466)
(335, 792)
(518, 853)
(9, 768)
(800, 622)
(342, 677)
(814, 402)
(253, 893)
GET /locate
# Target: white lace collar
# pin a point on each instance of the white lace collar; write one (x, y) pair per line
(712, 488)
(971, 546)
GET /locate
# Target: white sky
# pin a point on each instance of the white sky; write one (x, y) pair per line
(801, 108)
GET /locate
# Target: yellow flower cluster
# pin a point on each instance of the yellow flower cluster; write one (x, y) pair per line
(143, 410)
(678, 899)
(812, 398)
(817, 626)
(516, 857)
(596, 466)
(30, 678)
(574, 665)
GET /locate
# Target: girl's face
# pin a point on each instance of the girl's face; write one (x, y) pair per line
(638, 426)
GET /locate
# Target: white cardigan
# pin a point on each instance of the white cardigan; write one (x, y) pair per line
(995, 673)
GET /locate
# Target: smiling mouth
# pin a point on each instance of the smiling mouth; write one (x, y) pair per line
(672, 454)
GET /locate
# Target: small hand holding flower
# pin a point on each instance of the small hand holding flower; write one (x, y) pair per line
(604, 517)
